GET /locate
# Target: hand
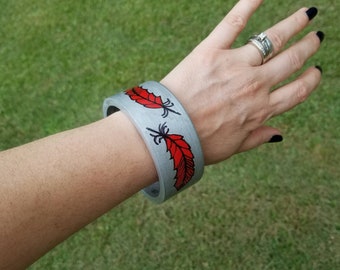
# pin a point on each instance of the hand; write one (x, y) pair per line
(227, 91)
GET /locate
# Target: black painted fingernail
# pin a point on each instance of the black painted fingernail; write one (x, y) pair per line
(319, 68)
(311, 12)
(275, 139)
(320, 35)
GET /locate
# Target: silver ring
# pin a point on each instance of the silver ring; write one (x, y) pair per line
(263, 44)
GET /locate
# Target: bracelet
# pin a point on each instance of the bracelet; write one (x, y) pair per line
(168, 133)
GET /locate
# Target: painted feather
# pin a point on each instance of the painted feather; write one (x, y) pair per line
(149, 100)
(180, 153)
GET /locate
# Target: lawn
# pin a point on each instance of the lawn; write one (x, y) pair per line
(276, 207)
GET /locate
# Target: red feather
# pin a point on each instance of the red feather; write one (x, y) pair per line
(180, 152)
(143, 97)
(150, 100)
(182, 156)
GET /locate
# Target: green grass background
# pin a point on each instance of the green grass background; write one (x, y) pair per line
(276, 207)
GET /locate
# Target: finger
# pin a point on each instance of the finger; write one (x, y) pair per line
(260, 136)
(233, 23)
(291, 60)
(281, 33)
(292, 94)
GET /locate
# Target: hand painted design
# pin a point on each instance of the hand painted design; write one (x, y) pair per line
(180, 153)
(149, 100)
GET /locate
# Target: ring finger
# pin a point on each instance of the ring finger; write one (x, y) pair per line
(281, 33)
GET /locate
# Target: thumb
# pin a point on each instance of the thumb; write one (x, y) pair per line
(259, 136)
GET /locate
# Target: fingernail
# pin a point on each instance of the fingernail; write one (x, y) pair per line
(319, 68)
(311, 12)
(320, 35)
(275, 139)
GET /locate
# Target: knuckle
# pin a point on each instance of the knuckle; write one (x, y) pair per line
(295, 60)
(236, 20)
(302, 91)
(253, 87)
(277, 41)
(259, 117)
(298, 20)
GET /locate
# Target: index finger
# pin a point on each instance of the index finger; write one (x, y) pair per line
(233, 23)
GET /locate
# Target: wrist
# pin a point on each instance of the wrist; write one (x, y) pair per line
(131, 151)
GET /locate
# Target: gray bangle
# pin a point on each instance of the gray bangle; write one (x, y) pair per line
(168, 134)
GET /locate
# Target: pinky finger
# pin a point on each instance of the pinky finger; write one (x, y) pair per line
(259, 136)
(296, 92)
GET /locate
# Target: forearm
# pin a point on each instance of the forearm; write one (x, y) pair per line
(53, 187)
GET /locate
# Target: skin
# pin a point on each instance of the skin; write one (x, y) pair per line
(53, 187)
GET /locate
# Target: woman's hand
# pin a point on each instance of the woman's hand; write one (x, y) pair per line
(227, 92)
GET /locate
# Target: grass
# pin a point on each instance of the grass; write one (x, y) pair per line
(276, 207)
